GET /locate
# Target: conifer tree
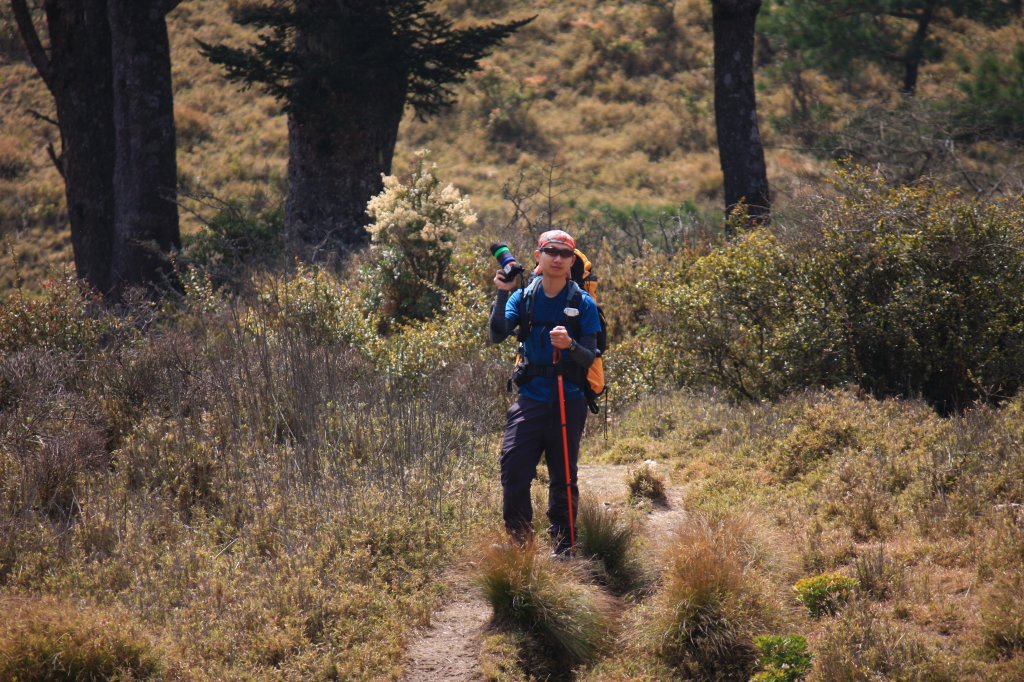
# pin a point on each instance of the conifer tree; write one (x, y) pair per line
(344, 71)
(834, 36)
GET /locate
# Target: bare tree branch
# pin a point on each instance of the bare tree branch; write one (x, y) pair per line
(43, 117)
(58, 159)
(34, 46)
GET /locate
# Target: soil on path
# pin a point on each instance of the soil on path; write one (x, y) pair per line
(449, 649)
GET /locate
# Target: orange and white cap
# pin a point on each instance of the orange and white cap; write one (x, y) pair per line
(556, 237)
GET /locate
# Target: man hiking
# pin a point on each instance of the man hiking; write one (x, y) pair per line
(556, 323)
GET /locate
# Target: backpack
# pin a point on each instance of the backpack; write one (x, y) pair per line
(582, 279)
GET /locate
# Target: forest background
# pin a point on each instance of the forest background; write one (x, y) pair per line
(218, 483)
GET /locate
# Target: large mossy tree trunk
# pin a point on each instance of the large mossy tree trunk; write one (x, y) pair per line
(341, 139)
(145, 173)
(78, 72)
(740, 150)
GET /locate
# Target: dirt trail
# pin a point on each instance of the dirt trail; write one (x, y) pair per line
(449, 649)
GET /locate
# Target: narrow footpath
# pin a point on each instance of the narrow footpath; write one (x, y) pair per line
(449, 649)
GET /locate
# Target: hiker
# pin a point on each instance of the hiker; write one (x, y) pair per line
(545, 323)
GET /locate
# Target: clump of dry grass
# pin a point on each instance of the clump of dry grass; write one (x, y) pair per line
(645, 483)
(1002, 616)
(863, 644)
(547, 597)
(48, 639)
(14, 163)
(717, 595)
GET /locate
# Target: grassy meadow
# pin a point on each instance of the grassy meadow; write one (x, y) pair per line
(274, 473)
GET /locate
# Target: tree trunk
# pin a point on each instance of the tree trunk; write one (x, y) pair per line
(915, 51)
(741, 153)
(339, 148)
(78, 73)
(145, 171)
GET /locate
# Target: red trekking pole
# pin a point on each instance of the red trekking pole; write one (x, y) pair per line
(565, 449)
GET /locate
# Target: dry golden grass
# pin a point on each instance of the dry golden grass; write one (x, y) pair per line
(917, 508)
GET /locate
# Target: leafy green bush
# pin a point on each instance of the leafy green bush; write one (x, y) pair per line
(907, 291)
(739, 318)
(235, 238)
(824, 594)
(412, 239)
(784, 658)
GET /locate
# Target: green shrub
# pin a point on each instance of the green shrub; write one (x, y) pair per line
(44, 639)
(994, 92)
(237, 237)
(783, 658)
(740, 318)
(824, 594)
(906, 291)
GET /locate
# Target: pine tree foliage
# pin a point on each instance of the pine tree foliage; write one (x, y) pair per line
(369, 40)
(896, 34)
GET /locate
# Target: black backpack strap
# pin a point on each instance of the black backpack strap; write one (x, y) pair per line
(526, 310)
(526, 304)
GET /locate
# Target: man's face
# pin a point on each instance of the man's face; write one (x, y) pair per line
(555, 259)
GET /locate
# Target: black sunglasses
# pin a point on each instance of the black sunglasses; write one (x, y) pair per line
(552, 251)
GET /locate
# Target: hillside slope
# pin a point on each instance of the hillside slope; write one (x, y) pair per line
(616, 97)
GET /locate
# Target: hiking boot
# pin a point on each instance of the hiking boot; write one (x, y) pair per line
(562, 551)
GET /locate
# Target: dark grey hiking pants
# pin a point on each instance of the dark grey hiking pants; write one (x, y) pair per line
(534, 428)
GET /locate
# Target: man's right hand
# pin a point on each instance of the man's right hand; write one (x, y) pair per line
(502, 284)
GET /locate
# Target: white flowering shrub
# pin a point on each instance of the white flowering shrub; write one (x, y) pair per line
(413, 235)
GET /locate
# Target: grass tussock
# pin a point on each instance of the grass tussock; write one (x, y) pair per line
(611, 537)
(547, 597)
(716, 597)
(645, 483)
(49, 639)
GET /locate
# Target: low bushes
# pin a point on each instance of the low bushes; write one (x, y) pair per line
(909, 291)
(46, 639)
(824, 594)
(645, 483)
